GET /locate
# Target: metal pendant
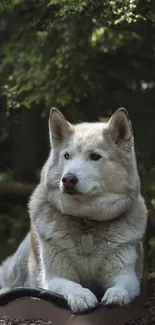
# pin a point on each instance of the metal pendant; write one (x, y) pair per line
(87, 243)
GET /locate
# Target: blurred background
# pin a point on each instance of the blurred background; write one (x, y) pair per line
(87, 58)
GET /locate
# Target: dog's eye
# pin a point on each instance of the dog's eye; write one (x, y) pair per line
(95, 156)
(66, 155)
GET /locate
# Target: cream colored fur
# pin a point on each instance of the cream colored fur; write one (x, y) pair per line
(107, 195)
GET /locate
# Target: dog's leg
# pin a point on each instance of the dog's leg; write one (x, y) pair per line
(78, 298)
(59, 276)
(126, 287)
(120, 277)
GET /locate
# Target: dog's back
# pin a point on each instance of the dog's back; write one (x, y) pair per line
(14, 270)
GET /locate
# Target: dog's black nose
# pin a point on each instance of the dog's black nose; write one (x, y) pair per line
(69, 181)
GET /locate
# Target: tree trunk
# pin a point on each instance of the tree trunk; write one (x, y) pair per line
(25, 143)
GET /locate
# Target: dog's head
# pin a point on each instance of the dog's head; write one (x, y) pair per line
(91, 160)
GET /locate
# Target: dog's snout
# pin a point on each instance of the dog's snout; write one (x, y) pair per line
(69, 180)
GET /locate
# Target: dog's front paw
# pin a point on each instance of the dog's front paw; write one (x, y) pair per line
(116, 296)
(4, 290)
(81, 299)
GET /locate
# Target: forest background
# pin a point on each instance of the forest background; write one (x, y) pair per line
(87, 58)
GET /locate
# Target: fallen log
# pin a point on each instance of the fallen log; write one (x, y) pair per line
(15, 192)
(37, 307)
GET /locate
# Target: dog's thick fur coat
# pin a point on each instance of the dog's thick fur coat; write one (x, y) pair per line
(105, 203)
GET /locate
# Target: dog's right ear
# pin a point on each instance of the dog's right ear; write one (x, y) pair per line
(59, 128)
(119, 127)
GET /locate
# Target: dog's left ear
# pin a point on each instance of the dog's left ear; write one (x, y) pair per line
(120, 129)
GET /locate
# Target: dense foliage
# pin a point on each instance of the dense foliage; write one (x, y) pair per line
(61, 51)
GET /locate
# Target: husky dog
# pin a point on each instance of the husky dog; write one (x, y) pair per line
(87, 217)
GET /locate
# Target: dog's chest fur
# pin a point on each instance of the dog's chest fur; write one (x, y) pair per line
(66, 234)
(62, 247)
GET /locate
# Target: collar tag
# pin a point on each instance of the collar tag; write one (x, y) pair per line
(87, 243)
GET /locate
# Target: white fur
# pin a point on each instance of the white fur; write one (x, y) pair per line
(79, 298)
(108, 196)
